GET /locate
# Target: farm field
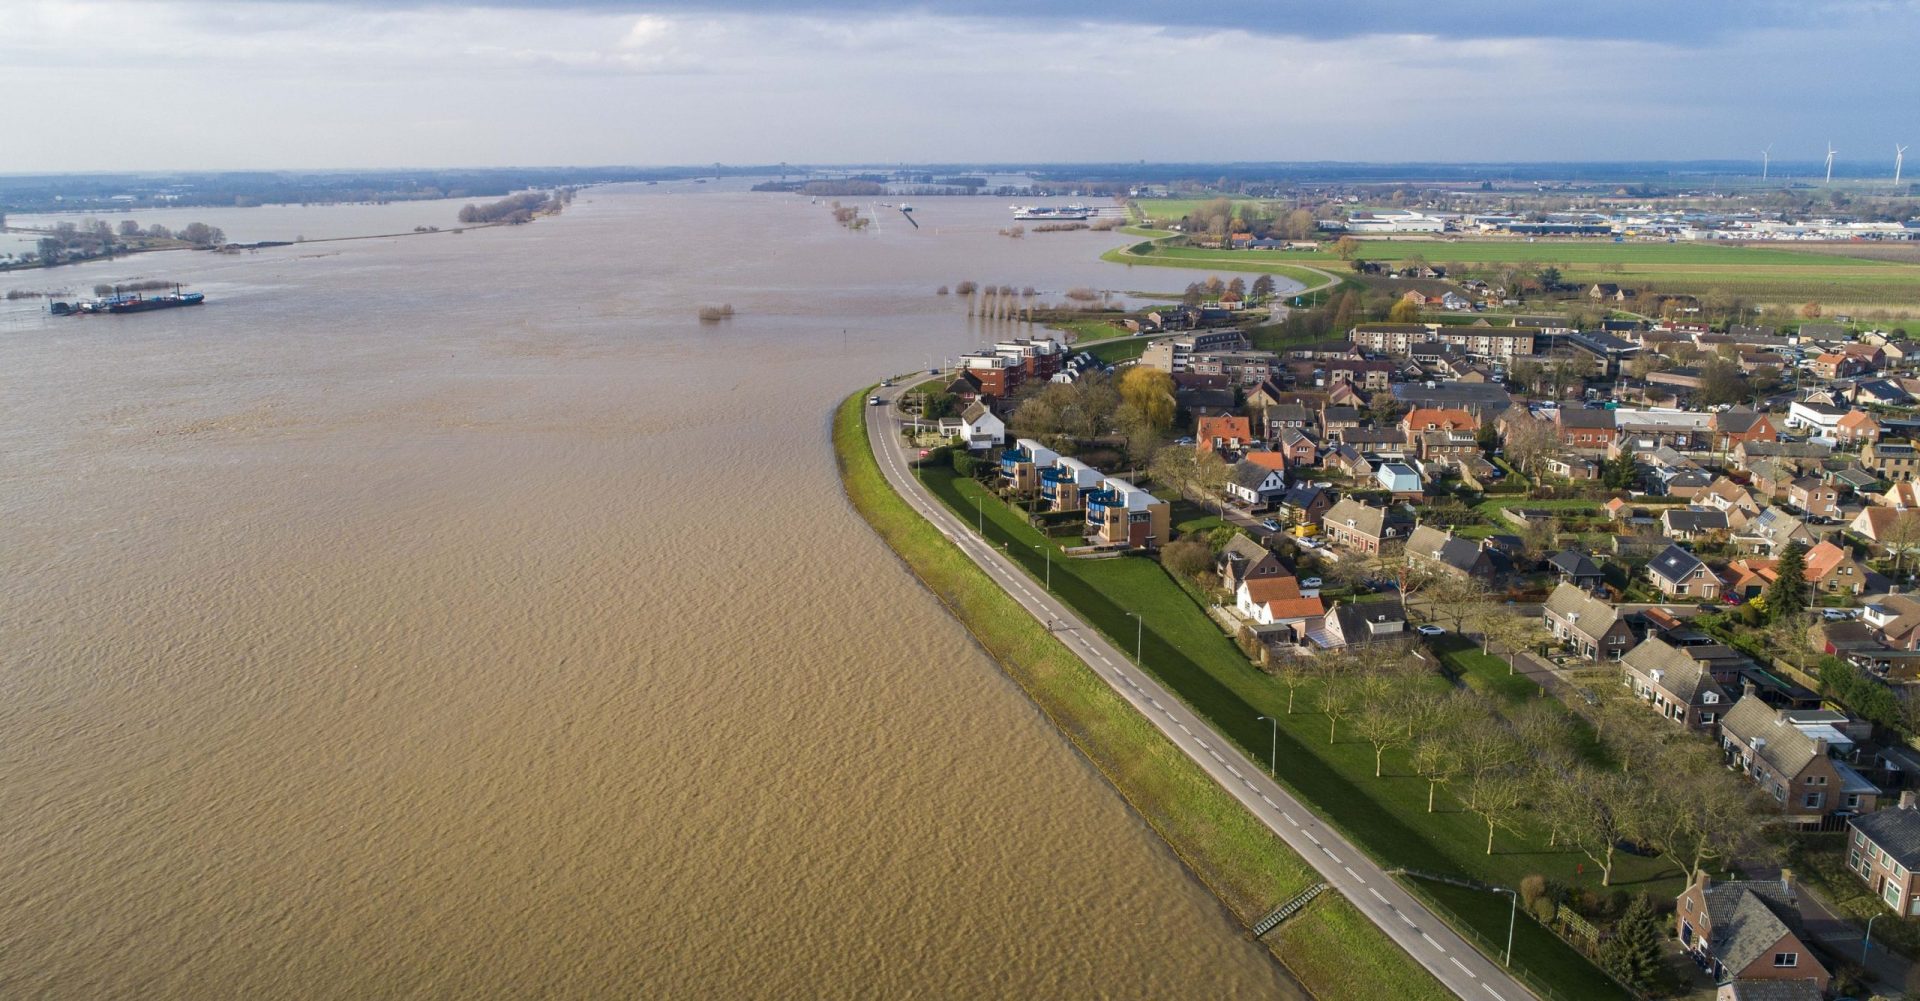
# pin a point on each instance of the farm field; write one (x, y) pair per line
(1760, 274)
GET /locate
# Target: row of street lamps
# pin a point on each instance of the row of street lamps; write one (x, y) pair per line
(1273, 751)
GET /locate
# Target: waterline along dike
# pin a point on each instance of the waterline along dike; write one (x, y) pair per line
(1332, 950)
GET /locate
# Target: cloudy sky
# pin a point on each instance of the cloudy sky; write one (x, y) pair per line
(164, 84)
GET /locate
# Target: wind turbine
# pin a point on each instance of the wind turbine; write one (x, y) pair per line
(1899, 155)
(1765, 155)
(1830, 152)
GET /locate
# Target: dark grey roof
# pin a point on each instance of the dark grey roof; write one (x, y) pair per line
(1361, 623)
(1485, 395)
(1581, 417)
(1785, 449)
(1342, 414)
(1691, 520)
(1776, 990)
(1251, 475)
(1786, 748)
(1574, 563)
(1431, 543)
(1748, 917)
(1897, 832)
(1675, 564)
(1671, 669)
(1302, 495)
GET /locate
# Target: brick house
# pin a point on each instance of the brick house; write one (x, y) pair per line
(1833, 570)
(1742, 424)
(1423, 419)
(1815, 498)
(1593, 628)
(1856, 427)
(1583, 428)
(1883, 849)
(1679, 573)
(1243, 559)
(1227, 432)
(1793, 764)
(1678, 687)
(1363, 529)
(1743, 931)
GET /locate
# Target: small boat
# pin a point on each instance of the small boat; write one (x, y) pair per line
(140, 304)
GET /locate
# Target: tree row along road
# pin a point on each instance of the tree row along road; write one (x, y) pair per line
(1463, 969)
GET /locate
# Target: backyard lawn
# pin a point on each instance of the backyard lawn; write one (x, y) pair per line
(1183, 647)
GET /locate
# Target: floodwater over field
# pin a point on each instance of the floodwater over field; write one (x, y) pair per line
(453, 616)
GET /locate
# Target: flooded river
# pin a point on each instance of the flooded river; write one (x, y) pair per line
(453, 616)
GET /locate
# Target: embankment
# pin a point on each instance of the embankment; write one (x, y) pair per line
(1334, 952)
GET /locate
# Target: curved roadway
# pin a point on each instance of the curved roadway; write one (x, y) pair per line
(1459, 966)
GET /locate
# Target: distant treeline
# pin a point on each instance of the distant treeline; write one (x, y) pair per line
(125, 192)
(846, 187)
(511, 210)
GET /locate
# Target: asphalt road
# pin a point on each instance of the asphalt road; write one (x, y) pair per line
(1406, 921)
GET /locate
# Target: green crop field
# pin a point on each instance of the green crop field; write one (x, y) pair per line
(1175, 209)
(1760, 274)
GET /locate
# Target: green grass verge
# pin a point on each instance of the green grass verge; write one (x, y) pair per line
(1386, 815)
(1333, 952)
(1154, 255)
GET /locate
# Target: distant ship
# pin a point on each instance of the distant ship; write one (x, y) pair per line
(1049, 212)
(129, 303)
(140, 304)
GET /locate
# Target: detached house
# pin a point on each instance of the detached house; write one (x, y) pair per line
(1583, 428)
(1277, 601)
(1243, 559)
(1692, 524)
(1815, 498)
(1742, 424)
(1360, 624)
(1420, 420)
(1574, 567)
(1593, 628)
(1679, 573)
(1833, 570)
(1255, 485)
(1306, 504)
(1792, 762)
(1225, 433)
(1747, 933)
(1458, 557)
(981, 429)
(1677, 686)
(1357, 527)
(1857, 428)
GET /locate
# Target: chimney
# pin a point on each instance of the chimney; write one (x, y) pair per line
(1701, 880)
(1907, 800)
(1786, 882)
(1748, 688)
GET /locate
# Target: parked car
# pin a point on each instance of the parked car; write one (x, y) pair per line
(925, 452)
(1310, 582)
(1270, 525)
(1431, 630)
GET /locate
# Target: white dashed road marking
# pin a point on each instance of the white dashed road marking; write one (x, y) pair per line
(1463, 967)
(1431, 942)
(1236, 772)
(1495, 993)
(1376, 895)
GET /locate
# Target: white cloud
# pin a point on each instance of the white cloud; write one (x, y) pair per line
(321, 84)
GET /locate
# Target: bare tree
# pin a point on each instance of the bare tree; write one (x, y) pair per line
(1496, 797)
(1437, 758)
(1380, 724)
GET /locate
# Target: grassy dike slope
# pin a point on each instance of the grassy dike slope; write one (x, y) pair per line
(1330, 947)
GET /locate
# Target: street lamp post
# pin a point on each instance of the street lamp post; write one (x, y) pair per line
(1866, 941)
(979, 519)
(1047, 551)
(1139, 633)
(1513, 913)
(1273, 755)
